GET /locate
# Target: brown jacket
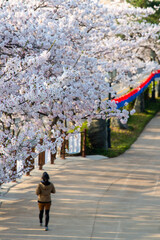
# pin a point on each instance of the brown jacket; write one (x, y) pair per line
(44, 192)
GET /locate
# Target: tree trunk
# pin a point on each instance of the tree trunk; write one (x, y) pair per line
(115, 122)
(158, 89)
(139, 105)
(97, 134)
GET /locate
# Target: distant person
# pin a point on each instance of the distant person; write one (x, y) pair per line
(44, 190)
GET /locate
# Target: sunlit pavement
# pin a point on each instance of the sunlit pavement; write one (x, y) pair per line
(97, 198)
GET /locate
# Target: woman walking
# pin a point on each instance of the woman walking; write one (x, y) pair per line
(44, 190)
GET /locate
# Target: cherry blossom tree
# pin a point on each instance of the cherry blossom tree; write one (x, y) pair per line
(55, 56)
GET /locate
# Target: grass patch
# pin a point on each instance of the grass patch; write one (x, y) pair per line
(121, 140)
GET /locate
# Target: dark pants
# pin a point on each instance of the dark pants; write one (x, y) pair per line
(43, 206)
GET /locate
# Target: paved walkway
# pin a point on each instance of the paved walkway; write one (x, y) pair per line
(97, 198)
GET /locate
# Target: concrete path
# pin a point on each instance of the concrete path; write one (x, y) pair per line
(97, 198)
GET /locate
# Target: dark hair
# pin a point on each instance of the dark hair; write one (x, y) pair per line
(45, 177)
